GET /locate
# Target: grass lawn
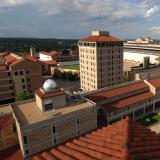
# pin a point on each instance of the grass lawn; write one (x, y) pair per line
(154, 117)
(72, 67)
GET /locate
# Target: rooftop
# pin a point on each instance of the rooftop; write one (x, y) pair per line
(49, 94)
(2, 68)
(123, 140)
(100, 38)
(6, 116)
(53, 53)
(101, 95)
(28, 113)
(155, 82)
(127, 101)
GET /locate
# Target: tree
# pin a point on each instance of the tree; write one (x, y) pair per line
(23, 96)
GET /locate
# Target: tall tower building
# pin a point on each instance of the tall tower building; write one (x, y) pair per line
(101, 60)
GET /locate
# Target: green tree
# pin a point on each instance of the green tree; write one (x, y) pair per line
(23, 96)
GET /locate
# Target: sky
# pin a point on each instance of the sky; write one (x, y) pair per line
(74, 19)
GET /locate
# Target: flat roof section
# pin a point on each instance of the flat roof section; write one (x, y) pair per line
(5, 109)
(101, 95)
(29, 113)
(127, 101)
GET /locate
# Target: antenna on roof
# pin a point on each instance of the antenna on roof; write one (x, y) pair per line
(99, 11)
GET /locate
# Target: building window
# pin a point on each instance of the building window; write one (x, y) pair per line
(24, 86)
(55, 140)
(48, 106)
(28, 79)
(78, 121)
(11, 88)
(10, 81)
(16, 73)
(9, 73)
(22, 80)
(25, 139)
(14, 128)
(27, 152)
(12, 94)
(21, 72)
(54, 129)
(27, 72)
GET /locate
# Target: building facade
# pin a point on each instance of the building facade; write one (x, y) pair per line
(101, 61)
(17, 75)
(134, 99)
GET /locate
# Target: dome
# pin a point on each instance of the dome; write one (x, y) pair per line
(49, 85)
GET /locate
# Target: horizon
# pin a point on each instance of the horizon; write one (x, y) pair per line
(127, 19)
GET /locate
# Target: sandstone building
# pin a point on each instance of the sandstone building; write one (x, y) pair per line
(101, 61)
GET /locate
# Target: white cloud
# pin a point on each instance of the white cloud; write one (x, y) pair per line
(9, 3)
(155, 30)
(110, 9)
(152, 11)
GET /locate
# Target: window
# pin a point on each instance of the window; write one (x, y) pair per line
(28, 79)
(48, 106)
(27, 72)
(77, 121)
(11, 88)
(25, 139)
(27, 152)
(10, 81)
(14, 128)
(22, 80)
(54, 129)
(24, 86)
(16, 73)
(9, 73)
(55, 141)
(21, 72)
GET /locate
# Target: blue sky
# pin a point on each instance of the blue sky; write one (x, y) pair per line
(77, 18)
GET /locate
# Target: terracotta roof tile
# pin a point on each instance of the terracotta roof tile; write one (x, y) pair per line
(101, 95)
(2, 68)
(6, 120)
(127, 101)
(9, 59)
(52, 62)
(49, 94)
(101, 39)
(123, 140)
(155, 82)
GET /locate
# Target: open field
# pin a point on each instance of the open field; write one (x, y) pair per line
(72, 67)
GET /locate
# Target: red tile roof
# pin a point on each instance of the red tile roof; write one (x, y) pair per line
(2, 68)
(127, 101)
(28, 57)
(50, 94)
(52, 62)
(101, 39)
(101, 95)
(9, 59)
(123, 140)
(155, 82)
(6, 120)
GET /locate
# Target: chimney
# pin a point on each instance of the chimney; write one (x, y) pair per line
(33, 52)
